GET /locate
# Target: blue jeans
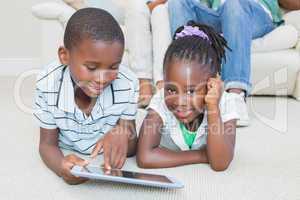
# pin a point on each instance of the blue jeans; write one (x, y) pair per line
(239, 20)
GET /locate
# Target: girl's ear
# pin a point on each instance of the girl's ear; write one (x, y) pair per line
(64, 55)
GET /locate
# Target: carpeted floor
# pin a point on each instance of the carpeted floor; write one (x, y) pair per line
(266, 164)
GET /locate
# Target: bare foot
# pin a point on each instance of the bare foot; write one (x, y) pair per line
(146, 92)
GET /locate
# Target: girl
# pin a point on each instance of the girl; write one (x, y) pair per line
(191, 120)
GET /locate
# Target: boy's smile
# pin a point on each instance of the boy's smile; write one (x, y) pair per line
(93, 64)
(185, 89)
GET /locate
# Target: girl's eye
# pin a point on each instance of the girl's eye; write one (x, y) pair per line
(190, 92)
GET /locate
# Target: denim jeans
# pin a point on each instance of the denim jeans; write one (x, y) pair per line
(240, 21)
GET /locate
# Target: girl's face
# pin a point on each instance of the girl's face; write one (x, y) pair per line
(185, 89)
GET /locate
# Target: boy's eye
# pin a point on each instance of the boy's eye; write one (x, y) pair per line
(90, 67)
(115, 67)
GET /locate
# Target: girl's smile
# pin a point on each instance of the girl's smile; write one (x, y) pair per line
(185, 90)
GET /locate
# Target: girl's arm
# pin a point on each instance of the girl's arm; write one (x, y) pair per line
(220, 140)
(150, 155)
(221, 136)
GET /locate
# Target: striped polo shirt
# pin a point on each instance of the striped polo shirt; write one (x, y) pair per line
(55, 107)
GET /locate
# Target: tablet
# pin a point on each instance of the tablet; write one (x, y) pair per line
(129, 177)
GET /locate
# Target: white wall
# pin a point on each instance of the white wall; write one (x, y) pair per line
(20, 37)
(29, 43)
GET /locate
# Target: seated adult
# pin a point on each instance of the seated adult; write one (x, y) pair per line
(240, 21)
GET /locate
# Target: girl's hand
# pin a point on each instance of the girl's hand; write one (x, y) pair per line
(67, 164)
(214, 92)
(115, 146)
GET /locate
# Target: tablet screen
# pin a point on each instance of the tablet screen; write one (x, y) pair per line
(126, 174)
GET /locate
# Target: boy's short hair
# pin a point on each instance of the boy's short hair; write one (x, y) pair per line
(92, 23)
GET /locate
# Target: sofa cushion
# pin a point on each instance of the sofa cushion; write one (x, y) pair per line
(274, 73)
(283, 37)
(293, 18)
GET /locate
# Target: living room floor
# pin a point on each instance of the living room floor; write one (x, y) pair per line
(266, 163)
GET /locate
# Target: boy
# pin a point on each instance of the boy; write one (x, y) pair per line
(87, 103)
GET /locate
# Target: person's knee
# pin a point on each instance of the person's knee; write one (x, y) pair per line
(235, 9)
(176, 4)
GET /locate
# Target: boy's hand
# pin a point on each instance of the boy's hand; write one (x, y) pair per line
(67, 163)
(214, 92)
(115, 146)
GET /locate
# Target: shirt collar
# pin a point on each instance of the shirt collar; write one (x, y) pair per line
(178, 138)
(65, 99)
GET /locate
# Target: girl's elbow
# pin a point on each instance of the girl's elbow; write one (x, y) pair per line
(221, 166)
(143, 161)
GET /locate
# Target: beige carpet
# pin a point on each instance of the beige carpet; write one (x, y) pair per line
(266, 164)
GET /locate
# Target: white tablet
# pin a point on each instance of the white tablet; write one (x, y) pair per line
(129, 177)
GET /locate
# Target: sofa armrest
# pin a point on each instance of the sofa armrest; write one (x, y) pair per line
(293, 18)
(53, 11)
(161, 37)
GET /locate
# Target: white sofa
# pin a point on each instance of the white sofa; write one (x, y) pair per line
(275, 59)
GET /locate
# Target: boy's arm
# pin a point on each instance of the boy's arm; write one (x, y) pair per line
(117, 144)
(128, 128)
(49, 151)
(120, 142)
(150, 155)
(54, 158)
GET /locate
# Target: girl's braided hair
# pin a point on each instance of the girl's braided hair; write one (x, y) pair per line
(208, 51)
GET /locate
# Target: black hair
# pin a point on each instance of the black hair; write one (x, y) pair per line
(92, 23)
(194, 48)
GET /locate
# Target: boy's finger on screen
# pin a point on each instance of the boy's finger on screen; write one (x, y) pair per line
(97, 149)
(107, 157)
(114, 156)
(118, 159)
(121, 162)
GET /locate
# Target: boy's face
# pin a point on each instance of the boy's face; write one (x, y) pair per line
(185, 89)
(93, 64)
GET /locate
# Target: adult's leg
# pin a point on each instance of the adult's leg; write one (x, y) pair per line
(241, 21)
(139, 43)
(182, 11)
